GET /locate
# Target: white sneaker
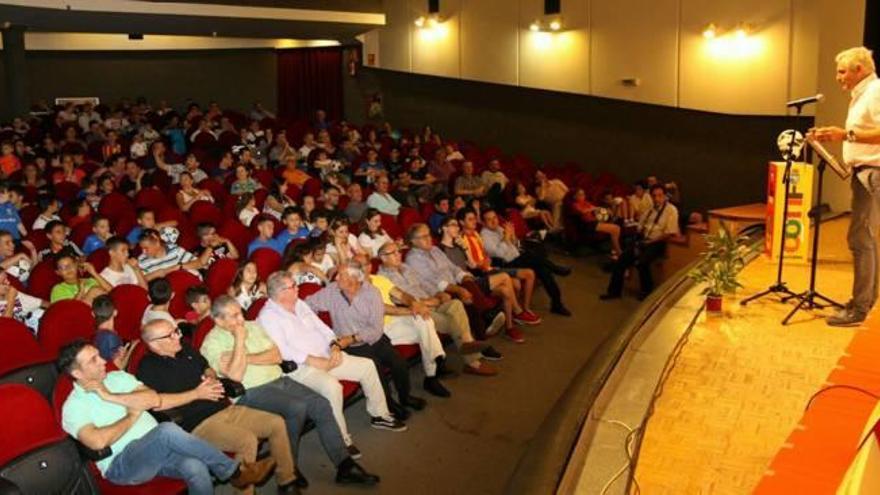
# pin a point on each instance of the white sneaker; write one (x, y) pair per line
(497, 324)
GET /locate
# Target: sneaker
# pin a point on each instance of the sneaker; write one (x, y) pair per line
(390, 424)
(354, 452)
(491, 354)
(482, 369)
(350, 472)
(527, 318)
(497, 324)
(515, 334)
(851, 318)
(415, 403)
(433, 386)
(252, 473)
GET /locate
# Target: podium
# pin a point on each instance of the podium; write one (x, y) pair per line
(800, 202)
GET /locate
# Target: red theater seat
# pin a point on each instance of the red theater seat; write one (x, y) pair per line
(43, 278)
(64, 322)
(267, 260)
(237, 233)
(254, 310)
(22, 360)
(37, 455)
(99, 258)
(205, 212)
(201, 332)
(180, 281)
(131, 302)
(220, 276)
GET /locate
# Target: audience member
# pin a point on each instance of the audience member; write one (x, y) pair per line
(121, 269)
(72, 286)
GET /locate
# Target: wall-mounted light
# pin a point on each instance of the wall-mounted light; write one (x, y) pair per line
(555, 24)
(711, 31)
(535, 27)
(742, 31)
(420, 21)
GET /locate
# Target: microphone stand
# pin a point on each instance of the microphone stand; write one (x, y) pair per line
(808, 297)
(779, 287)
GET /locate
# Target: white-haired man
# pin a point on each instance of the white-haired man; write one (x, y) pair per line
(302, 337)
(861, 151)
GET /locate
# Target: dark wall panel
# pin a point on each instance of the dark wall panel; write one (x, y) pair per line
(719, 160)
(234, 78)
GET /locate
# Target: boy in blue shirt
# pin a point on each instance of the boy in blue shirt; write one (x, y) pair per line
(10, 220)
(292, 218)
(266, 229)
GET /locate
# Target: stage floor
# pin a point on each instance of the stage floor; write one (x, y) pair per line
(742, 380)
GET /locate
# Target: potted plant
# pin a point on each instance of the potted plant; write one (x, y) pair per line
(722, 261)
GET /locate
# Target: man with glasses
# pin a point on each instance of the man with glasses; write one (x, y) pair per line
(173, 367)
(437, 275)
(303, 338)
(449, 315)
(357, 311)
(242, 351)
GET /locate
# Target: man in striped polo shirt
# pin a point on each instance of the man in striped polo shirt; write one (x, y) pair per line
(158, 259)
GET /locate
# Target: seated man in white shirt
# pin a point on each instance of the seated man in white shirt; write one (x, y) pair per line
(122, 270)
(302, 337)
(656, 226)
(382, 200)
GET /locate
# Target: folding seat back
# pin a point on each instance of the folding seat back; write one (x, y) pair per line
(115, 205)
(180, 281)
(130, 301)
(205, 212)
(220, 276)
(267, 260)
(151, 198)
(64, 322)
(37, 456)
(99, 258)
(237, 233)
(201, 332)
(66, 191)
(23, 361)
(391, 226)
(43, 278)
(254, 310)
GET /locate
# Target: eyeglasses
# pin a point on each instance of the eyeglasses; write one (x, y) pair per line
(389, 253)
(174, 333)
(421, 236)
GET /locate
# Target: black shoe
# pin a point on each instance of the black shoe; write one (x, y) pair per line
(289, 489)
(442, 369)
(559, 309)
(562, 271)
(398, 411)
(354, 452)
(301, 482)
(433, 386)
(608, 296)
(491, 354)
(390, 424)
(851, 318)
(415, 403)
(350, 472)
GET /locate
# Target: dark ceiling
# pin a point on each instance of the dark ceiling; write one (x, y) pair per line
(41, 19)
(340, 5)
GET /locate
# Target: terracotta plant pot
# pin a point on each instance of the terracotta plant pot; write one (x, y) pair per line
(713, 303)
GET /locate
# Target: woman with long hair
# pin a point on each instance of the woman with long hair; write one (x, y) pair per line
(373, 236)
(246, 287)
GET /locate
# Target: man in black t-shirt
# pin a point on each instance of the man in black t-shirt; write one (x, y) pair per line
(173, 367)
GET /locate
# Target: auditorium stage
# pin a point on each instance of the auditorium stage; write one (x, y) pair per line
(734, 395)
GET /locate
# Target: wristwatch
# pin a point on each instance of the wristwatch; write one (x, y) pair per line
(851, 136)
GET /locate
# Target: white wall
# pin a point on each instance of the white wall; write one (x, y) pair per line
(120, 42)
(660, 42)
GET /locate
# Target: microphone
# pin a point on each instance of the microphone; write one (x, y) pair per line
(805, 101)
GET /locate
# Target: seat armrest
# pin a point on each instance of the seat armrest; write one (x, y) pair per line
(92, 454)
(9, 488)
(288, 366)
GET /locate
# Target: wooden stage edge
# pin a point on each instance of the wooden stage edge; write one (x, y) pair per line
(734, 403)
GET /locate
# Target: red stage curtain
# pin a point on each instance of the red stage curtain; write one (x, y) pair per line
(310, 79)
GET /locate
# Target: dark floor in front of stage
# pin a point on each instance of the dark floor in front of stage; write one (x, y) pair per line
(471, 442)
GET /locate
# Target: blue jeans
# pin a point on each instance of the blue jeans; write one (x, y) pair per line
(296, 403)
(169, 451)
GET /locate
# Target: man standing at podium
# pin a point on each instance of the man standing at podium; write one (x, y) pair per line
(861, 151)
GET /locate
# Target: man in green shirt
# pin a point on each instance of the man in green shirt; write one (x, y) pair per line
(241, 350)
(108, 410)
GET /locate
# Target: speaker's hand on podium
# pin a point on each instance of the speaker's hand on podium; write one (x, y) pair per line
(829, 133)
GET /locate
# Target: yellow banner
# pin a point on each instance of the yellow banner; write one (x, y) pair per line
(800, 200)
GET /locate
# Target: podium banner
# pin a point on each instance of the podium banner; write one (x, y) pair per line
(797, 225)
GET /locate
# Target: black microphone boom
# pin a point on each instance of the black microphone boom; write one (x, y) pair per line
(805, 101)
